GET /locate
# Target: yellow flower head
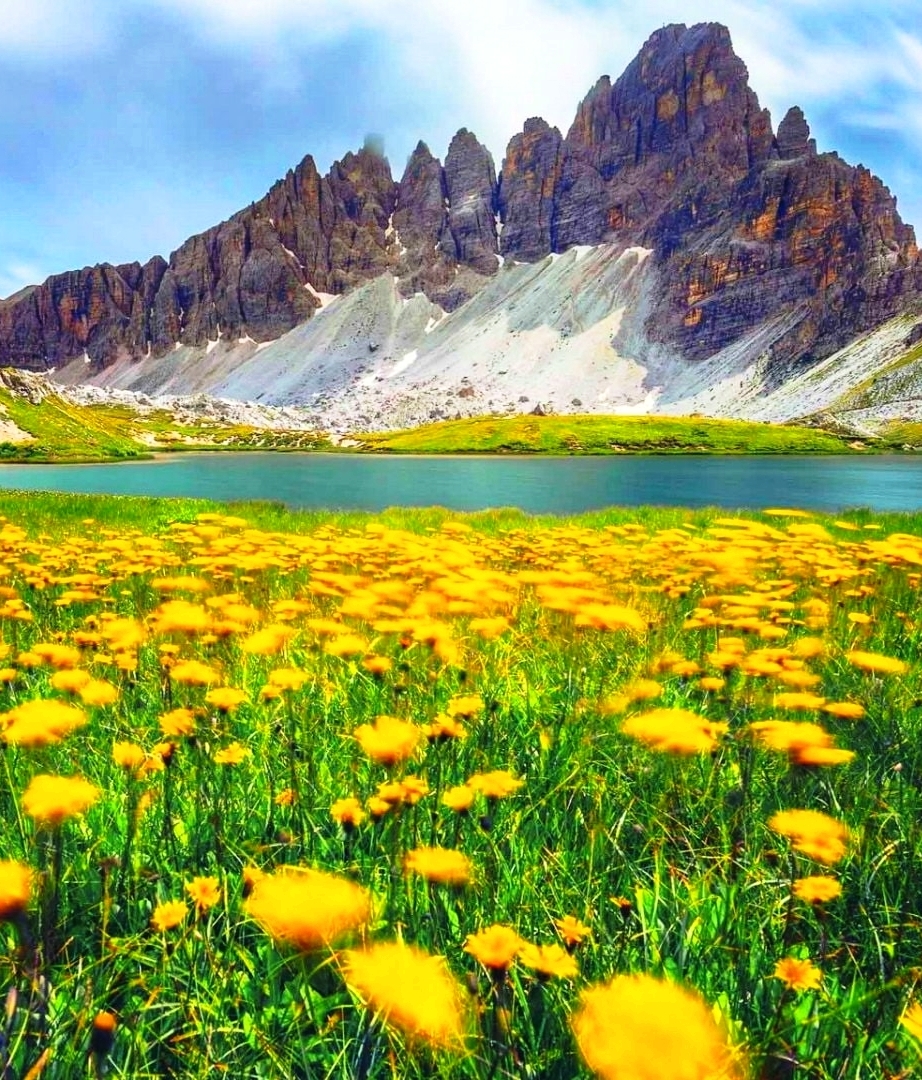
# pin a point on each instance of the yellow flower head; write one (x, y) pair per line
(225, 698)
(70, 680)
(348, 812)
(800, 700)
(911, 1020)
(818, 889)
(847, 710)
(15, 888)
(307, 909)
(876, 663)
(637, 1027)
(233, 754)
(389, 740)
(40, 722)
(128, 755)
(58, 656)
(496, 947)
(444, 727)
(812, 833)
(268, 641)
(98, 692)
(496, 784)
(459, 799)
(177, 722)
(52, 799)
(181, 616)
(287, 678)
(549, 961)
(466, 706)
(571, 930)
(674, 731)
(193, 673)
(444, 866)
(377, 666)
(412, 991)
(798, 974)
(204, 892)
(168, 915)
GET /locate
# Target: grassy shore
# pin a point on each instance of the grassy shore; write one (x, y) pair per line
(62, 432)
(593, 434)
(424, 794)
(56, 430)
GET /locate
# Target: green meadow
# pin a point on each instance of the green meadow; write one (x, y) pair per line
(297, 795)
(606, 435)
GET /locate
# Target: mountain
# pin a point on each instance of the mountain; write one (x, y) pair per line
(670, 244)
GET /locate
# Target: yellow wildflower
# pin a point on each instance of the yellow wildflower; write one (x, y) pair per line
(549, 961)
(637, 1027)
(15, 889)
(798, 974)
(572, 931)
(411, 991)
(306, 908)
(876, 663)
(40, 722)
(812, 833)
(460, 798)
(389, 740)
(348, 812)
(204, 892)
(818, 889)
(912, 1020)
(168, 915)
(52, 799)
(225, 698)
(495, 947)
(444, 866)
(496, 784)
(674, 731)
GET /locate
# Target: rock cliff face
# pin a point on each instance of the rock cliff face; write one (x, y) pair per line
(676, 156)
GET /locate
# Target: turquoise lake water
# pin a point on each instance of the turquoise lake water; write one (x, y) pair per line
(562, 485)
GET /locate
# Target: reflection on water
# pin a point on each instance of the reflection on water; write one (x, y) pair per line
(535, 484)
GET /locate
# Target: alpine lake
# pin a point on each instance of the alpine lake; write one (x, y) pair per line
(534, 484)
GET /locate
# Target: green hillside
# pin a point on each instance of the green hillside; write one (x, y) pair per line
(604, 435)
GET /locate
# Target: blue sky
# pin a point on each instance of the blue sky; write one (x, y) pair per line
(140, 122)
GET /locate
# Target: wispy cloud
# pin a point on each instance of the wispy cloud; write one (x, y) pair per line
(160, 117)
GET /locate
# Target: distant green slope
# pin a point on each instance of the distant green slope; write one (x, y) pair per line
(64, 432)
(604, 435)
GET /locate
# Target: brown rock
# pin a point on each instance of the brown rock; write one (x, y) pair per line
(470, 182)
(531, 173)
(793, 138)
(420, 227)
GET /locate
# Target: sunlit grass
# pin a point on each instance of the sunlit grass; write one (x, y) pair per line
(415, 794)
(591, 434)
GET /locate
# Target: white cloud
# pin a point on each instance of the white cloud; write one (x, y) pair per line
(46, 29)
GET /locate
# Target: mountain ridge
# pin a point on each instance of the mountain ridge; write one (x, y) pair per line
(746, 228)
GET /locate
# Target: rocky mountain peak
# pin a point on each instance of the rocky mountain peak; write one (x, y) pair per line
(676, 156)
(793, 138)
(470, 181)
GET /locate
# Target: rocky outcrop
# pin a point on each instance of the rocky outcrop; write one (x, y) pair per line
(678, 156)
(793, 138)
(470, 182)
(530, 176)
(256, 275)
(675, 156)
